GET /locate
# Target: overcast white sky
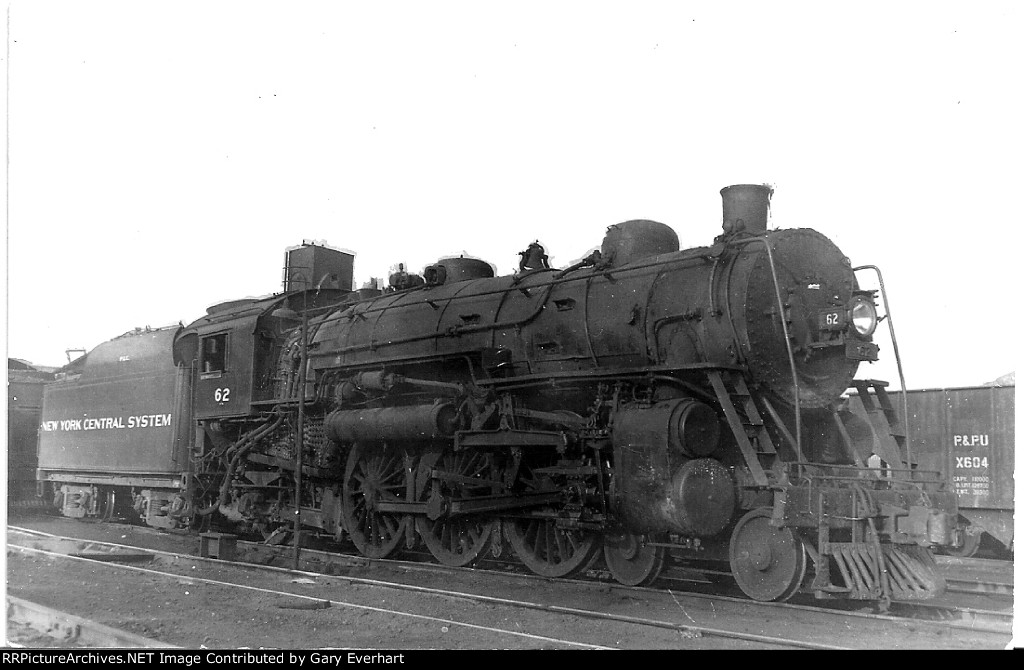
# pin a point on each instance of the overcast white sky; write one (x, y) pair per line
(163, 155)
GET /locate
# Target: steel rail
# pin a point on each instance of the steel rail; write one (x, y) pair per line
(491, 600)
(967, 618)
(61, 625)
(247, 587)
(358, 560)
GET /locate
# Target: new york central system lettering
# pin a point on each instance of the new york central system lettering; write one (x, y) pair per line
(108, 423)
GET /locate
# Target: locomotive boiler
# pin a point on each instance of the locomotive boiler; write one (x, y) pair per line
(646, 404)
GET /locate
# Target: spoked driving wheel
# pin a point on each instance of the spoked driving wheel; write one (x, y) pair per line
(457, 540)
(631, 560)
(373, 475)
(551, 551)
(768, 563)
(543, 546)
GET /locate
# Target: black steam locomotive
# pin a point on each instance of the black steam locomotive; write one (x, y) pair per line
(647, 403)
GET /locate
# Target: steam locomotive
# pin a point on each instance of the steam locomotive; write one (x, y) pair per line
(646, 404)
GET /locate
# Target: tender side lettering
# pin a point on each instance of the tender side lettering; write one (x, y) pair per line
(108, 423)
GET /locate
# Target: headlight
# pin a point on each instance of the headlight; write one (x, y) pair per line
(863, 316)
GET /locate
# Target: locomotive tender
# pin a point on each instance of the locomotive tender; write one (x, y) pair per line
(646, 403)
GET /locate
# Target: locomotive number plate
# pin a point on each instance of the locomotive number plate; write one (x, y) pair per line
(832, 319)
(861, 351)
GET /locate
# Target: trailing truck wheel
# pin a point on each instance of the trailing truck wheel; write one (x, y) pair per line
(768, 563)
(373, 475)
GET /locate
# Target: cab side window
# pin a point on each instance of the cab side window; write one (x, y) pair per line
(214, 352)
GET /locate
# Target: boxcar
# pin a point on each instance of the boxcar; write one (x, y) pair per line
(24, 407)
(968, 434)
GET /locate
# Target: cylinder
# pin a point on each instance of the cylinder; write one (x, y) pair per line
(745, 208)
(409, 423)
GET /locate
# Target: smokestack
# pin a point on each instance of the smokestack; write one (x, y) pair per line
(745, 208)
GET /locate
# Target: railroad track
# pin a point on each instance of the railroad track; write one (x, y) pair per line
(67, 630)
(977, 575)
(983, 576)
(688, 614)
(109, 554)
(711, 584)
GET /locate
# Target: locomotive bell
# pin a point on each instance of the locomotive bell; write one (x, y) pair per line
(533, 258)
(745, 208)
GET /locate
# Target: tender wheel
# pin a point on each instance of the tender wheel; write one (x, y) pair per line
(373, 475)
(632, 561)
(458, 540)
(545, 548)
(768, 563)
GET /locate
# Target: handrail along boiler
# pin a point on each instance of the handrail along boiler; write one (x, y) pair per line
(647, 403)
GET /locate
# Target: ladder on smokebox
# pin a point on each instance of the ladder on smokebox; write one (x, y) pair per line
(891, 440)
(732, 391)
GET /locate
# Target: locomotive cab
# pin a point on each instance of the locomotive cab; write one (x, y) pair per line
(236, 351)
(222, 348)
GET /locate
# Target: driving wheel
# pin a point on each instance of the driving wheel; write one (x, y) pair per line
(373, 475)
